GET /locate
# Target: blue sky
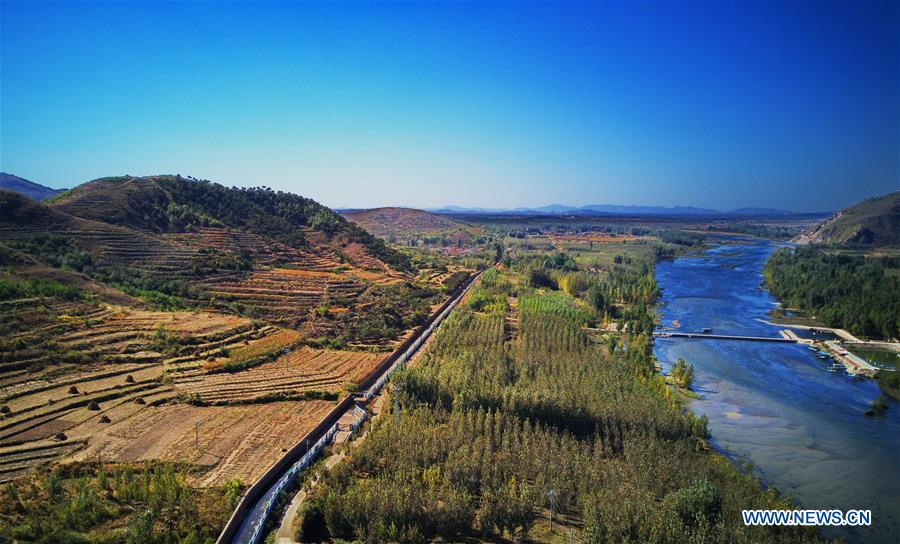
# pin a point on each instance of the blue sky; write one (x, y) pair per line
(723, 105)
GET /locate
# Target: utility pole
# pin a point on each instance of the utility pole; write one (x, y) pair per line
(197, 433)
(397, 390)
(551, 496)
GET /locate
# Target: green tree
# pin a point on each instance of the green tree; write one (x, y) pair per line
(683, 373)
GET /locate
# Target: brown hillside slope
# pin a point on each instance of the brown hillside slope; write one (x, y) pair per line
(402, 221)
(268, 255)
(875, 222)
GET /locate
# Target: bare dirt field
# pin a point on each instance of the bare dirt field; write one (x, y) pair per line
(235, 441)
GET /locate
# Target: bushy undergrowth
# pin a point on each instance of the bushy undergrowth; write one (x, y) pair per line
(37, 287)
(150, 503)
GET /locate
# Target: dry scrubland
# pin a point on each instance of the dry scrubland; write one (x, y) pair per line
(430, 231)
(402, 222)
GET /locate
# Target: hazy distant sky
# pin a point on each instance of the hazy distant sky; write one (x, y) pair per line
(789, 105)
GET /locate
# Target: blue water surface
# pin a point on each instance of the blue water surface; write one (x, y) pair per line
(776, 406)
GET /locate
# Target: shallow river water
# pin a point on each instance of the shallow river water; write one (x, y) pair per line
(776, 405)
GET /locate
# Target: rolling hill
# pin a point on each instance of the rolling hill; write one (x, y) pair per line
(875, 222)
(22, 186)
(255, 252)
(131, 307)
(176, 204)
(402, 221)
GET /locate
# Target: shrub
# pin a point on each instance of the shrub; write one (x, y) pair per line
(878, 406)
(312, 523)
(683, 373)
(690, 504)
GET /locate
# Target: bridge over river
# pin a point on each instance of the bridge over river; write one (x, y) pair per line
(855, 365)
(665, 334)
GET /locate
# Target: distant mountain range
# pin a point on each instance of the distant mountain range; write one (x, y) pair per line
(22, 186)
(39, 192)
(612, 209)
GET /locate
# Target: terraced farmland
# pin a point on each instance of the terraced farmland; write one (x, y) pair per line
(72, 368)
(18, 461)
(255, 284)
(234, 441)
(265, 252)
(304, 370)
(86, 380)
(286, 293)
(594, 237)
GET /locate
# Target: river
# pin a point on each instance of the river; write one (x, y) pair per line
(776, 406)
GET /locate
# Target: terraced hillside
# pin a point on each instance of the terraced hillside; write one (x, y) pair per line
(171, 319)
(254, 252)
(402, 221)
(176, 204)
(86, 380)
(304, 371)
(70, 364)
(420, 228)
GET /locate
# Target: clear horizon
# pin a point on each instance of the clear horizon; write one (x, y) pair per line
(790, 106)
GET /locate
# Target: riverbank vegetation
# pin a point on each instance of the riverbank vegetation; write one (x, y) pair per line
(857, 293)
(683, 374)
(518, 402)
